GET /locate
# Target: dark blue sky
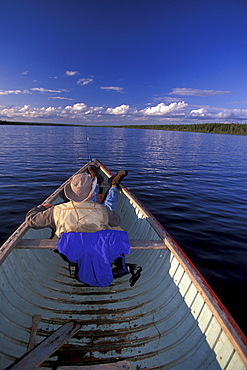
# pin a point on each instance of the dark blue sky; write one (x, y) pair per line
(128, 62)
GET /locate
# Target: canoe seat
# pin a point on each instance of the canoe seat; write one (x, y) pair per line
(52, 244)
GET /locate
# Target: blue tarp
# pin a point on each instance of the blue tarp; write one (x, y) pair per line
(94, 253)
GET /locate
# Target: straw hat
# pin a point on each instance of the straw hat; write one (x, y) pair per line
(81, 187)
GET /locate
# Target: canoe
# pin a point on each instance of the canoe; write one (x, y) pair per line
(170, 319)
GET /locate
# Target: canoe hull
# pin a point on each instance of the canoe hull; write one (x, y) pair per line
(169, 319)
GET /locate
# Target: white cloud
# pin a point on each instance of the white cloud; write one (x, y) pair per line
(112, 88)
(60, 98)
(33, 89)
(232, 114)
(196, 92)
(24, 112)
(240, 112)
(120, 110)
(27, 112)
(94, 110)
(178, 112)
(224, 114)
(74, 109)
(79, 107)
(8, 92)
(80, 110)
(71, 73)
(43, 90)
(24, 73)
(84, 81)
(165, 99)
(25, 108)
(161, 109)
(199, 112)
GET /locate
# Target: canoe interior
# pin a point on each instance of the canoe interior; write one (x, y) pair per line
(163, 322)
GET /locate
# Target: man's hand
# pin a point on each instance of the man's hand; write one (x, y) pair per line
(48, 205)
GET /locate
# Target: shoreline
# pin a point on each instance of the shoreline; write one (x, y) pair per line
(212, 128)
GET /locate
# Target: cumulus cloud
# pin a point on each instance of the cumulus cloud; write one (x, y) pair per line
(240, 112)
(25, 108)
(112, 88)
(176, 112)
(232, 114)
(120, 110)
(69, 112)
(24, 73)
(71, 73)
(27, 112)
(79, 107)
(84, 81)
(196, 92)
(161, 109)
(80, 110)
(199, 112)
(219, 115)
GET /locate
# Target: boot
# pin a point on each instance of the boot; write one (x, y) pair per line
(135, 273)
(93, 171)
(115, 180)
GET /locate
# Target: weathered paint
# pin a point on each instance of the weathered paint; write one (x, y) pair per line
(169, 320)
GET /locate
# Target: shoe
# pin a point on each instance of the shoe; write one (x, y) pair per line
(115, 180)
(93, 171)
(73, 269)
(135, 272)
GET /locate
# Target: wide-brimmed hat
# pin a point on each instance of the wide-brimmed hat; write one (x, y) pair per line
(81, 187)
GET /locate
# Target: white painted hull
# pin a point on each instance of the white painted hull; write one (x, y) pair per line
(169, 320)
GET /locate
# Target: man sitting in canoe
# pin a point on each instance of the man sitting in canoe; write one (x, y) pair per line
(89, 233)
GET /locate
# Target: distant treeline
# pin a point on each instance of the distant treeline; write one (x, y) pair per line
(214, 128)
(35, 124)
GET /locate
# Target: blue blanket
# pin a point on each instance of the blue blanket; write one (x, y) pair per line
(94, 253)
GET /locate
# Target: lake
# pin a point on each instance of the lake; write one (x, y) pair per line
(195, 185)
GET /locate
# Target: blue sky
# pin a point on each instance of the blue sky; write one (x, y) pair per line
(123, 62)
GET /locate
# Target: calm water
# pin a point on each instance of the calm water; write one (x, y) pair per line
(194, 184)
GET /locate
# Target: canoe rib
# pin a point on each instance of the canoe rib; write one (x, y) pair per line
(52, 244)
(35, 322)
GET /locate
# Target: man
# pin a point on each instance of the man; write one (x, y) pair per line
(80, 214)
(85, 229)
